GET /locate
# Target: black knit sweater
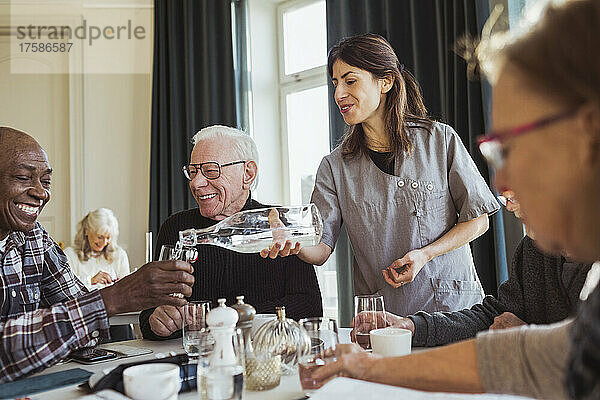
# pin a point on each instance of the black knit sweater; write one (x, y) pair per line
(541, 289)
(222, 273)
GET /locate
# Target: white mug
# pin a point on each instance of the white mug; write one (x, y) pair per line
(155, 381)
(391, 342)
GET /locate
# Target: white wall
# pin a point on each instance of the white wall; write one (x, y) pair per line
(109, 158)
(116, 153)
(116, 126)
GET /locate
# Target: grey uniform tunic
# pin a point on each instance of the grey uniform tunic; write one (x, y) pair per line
(386, 216)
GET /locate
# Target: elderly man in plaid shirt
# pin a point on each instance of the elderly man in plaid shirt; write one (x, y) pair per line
(45, 311)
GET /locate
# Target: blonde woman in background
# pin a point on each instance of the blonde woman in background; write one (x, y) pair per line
(96, 258)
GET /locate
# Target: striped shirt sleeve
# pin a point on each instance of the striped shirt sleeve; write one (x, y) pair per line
(39, 339)
(60, 315)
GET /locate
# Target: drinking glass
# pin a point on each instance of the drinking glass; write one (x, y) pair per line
(323, 335)
(205, 347)
(194, 326)
(221, 374)
(369, 314)
(168, 252)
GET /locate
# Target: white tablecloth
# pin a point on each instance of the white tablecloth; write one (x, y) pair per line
(289, 388)
(352, 389)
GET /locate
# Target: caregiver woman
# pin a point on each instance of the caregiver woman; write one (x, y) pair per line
(405, 187)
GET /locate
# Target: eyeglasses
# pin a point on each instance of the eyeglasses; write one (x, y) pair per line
(210, 170)
(491, 145)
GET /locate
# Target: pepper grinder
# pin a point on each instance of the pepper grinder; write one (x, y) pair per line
(246, 314)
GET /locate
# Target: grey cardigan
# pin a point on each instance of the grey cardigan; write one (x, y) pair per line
(541, 289)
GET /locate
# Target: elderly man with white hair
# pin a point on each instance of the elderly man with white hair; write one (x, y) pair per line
(223, 167)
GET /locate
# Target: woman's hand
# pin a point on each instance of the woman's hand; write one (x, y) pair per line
(405, 269)
(281, 246)
(102, 277)
(352, 362)
(277, 250)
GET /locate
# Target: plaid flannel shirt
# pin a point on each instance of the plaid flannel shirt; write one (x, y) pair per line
(45, 311)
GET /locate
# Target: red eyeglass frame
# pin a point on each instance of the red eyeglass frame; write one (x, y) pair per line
(501, 135)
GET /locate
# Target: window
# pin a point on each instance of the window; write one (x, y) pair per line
(305, 116)
(304, 35)
(521, 14)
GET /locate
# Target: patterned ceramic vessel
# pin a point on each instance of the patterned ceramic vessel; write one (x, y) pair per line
(284, 337)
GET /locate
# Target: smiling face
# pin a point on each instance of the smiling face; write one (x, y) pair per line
(25, 177)
(98, 241)
(360, 97)
(226, 195)
(551, 170)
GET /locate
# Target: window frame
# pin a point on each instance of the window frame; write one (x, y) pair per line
(289, 84)
(284, 91)
(301, 75)
(292, 83)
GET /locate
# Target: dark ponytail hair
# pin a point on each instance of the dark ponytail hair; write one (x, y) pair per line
(404, 102)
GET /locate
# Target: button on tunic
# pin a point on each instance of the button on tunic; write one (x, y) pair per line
(386, 216)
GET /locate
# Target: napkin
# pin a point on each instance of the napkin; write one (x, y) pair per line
(42, 383)
(113, 379)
